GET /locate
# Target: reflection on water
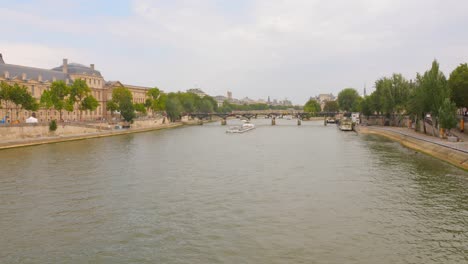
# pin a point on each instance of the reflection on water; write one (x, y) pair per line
(282, 194)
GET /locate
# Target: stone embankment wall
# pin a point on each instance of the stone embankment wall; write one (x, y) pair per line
(454, 157)
(9, 133)
(150, 123)
(35, 131)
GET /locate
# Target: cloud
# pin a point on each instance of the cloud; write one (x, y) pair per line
(35, 55)
(294, 49)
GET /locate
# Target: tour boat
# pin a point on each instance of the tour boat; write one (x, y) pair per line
(346, 124)
(241, 129)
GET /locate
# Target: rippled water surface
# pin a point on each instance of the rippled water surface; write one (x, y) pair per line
(283, 194)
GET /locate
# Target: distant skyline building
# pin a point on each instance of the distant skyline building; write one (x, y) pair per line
(197, 91)
(323, 98)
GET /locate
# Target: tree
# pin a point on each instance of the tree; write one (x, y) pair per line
(22, 99)
(121, 94)
(312, 106)
(46, 102)
(458, 85)
(127, 110)
(160, 104)
(366, 106)
(447, 114)
(112, 106)
(392, 93)
(59, 91)
(331, 106)
(348, 99)
(140, 108)
(79, 93)
(434, 89)
(121, 97)
(210, 104)
(174, 107)
(153, 100)
(6, 91)
(207, 105)
(89, 103)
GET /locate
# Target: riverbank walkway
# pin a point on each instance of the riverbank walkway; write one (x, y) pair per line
(452, 152)
(63, 138)
(461, 145)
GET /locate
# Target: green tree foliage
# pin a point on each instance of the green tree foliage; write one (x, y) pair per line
(348, 99)
(331, 106)
(112, 106)
(225, 108)
(46, 102)
(5, 91)
(434, 90)
(18, 97)
(121, 94)
(89, 103)
(80, 97)
(160, 104)
(209, 104)
(53, 125)
(140, 108)
(366, 106)
(155, 100)
(458, 85)
(122, 101)
(447, 114)
(59, 91)
(228, 107)
(312, 106)
(127, 110)
(174, 107)
(392, 94)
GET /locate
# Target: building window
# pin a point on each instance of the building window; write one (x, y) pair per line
(32, 90)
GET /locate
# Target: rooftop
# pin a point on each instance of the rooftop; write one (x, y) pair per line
(76, 68)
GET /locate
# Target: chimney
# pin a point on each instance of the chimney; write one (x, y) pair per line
(1, 59)
(65, 66)
(7, 75)
(92, 66)
(23, 76)
(39, 78)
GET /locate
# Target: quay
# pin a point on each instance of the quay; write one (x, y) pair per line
(455, 153)
(26, 142)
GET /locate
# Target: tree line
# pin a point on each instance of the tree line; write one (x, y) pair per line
(59, 96)
(429, 94)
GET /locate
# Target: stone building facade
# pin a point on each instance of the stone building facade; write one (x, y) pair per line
(38, 80)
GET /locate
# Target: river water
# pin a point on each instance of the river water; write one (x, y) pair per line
(277, 194)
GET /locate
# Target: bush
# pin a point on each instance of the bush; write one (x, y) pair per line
(53, 125)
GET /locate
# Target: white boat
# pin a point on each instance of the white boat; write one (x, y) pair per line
(346, 124)
(241, 129)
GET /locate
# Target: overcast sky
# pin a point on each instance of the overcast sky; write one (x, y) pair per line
(279, 48)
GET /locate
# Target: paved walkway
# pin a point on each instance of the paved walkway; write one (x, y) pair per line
(460, 146)
(44, 140)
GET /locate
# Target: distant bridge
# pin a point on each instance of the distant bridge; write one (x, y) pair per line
(273, 114)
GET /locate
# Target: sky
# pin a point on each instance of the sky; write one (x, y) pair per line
(291, 49)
